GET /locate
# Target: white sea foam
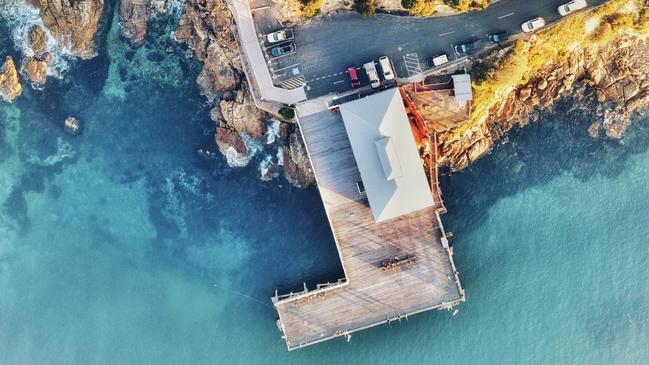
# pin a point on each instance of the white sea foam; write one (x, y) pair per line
(167, 7)
(272, 132)
(20, 17)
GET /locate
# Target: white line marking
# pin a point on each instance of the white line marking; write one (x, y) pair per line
(284, 68)
(447, 33)
(338, 82)
(506, 15)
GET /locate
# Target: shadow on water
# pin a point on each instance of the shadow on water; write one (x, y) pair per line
(557, 144)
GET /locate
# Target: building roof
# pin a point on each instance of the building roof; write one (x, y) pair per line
(386, 154)
(462, 87)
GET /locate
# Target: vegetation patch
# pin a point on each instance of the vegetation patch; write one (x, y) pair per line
(466, 5)
(553, 46)
(311, 8)
(365, 7)
(419, 7)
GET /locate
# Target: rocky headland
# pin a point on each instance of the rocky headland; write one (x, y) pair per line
(604, 77)
(208, 30)
(55, 28)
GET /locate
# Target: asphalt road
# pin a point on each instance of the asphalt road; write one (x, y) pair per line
(327, 45)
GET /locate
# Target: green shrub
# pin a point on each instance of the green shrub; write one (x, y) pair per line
(419, 7)
(465, 5)
(311, 8)
(480, 72)
(287, 112)
(365, 7)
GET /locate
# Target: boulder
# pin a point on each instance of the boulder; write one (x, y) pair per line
(134, 17)
(218, 75)
(75, 22)
(37, 39)
(10, 87)
(229, 140)
(72, 126)
(630, 90)
(297, 166)
(524, 93)
(542, 84)
(35, 69)
(242, 115)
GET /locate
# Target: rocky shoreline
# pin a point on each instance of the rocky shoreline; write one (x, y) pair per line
(610, 83)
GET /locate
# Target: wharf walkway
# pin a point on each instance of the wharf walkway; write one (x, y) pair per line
(393, 269)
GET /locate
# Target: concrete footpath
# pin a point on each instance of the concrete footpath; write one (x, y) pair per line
(256, 60)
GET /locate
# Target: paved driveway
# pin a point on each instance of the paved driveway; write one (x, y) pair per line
(327, 45)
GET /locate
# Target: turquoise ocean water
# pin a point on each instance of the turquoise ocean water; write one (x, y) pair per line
(123, 246)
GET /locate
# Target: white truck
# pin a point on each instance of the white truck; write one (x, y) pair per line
(370, 69)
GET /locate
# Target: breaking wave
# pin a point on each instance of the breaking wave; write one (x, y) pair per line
(20, 17)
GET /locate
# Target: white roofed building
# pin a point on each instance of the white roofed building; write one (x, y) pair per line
(386, 154)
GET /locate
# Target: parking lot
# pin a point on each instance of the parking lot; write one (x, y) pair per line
(327, 46)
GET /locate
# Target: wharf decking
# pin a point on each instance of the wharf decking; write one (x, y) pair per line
(392, 269)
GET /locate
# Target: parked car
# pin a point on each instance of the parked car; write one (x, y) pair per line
(353, 77)
(283, 49)
(280, 35)
(440, 60)
(386, 68)
(466, 48)
(532, 25)
(370, 69)
(572, 6)
(497, 37)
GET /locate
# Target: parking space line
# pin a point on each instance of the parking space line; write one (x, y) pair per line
(506, 15)
(284, 68)
(447, 33)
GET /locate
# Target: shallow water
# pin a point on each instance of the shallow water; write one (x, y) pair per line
(123, 246)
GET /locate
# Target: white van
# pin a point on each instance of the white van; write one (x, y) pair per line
(370, 69)
(386, 67)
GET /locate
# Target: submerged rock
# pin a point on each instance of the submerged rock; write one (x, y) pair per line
(10, 87)
(72, 126)
(134, 16)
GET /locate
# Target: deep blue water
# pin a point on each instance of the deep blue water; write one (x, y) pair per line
(123, 246)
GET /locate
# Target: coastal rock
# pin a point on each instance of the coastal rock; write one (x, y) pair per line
(75, 22)
(615, 123)
(37, 39)
(35, 70)
(134, 17)
(232, 146)
(218, 74)
(72, 126)
(10, 87)
(297, 167)
(242, 115)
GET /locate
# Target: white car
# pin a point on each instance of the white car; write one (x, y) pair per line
(572, 6)
(532, 25)
(440, 60)
(386, 68)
